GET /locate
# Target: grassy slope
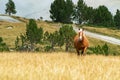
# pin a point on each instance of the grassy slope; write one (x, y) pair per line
(9, 35)
(58, 66)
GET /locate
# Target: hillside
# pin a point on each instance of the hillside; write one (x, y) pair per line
(9, 31)
(58, 65)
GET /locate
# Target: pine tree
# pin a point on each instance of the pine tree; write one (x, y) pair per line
(103, 17)
(81, 11)
(69, 11)
(117, 19)
(33, 33)
(67, 33)
(3, 46)
(61, 11)
(10, 8)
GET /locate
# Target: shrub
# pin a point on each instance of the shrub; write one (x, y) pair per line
(29, 40)
(47, 48)
(3, 46)
(104, 49)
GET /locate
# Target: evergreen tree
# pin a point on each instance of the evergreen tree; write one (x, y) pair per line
(69, 11)
(89, 15)
(10, 8)
(61, 11)
(53, 39)
(67, 33)
(103, 17)
(117, 19)
(33, 33)
(3, 46)
(81, 11)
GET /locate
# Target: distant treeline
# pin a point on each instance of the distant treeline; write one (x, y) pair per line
(66, 11)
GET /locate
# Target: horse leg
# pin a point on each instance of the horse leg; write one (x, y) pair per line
(83, 51)
(78, 52)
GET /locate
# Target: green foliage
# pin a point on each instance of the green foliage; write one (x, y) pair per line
(105, 49)
(117, 19)
(100, 16)
(101, 49)
(64, 10)
(48, 48)
(61, 11)
(45, 36)
(53, 39)
(22, 44)
(28, 41)
(3, 46)
(81, 11)
(33, 33)
(67, 33)
(17, 43)
(59, 38)
(10, 8)
(103, 17)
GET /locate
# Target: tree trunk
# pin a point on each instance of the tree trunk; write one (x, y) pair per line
(67, 47)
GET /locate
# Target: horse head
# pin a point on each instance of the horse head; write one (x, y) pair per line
(80, 34)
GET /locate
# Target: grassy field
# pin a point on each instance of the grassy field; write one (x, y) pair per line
(58, 66)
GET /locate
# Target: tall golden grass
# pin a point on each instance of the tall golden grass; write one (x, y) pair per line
(58, 66)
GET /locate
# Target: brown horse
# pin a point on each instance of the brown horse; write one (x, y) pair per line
(81, 42)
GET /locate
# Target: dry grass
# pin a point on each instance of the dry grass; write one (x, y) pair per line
(9, 35)
(58, 66)
(50, 27)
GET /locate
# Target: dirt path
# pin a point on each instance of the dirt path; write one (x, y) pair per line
(8, 18)
(101, 37)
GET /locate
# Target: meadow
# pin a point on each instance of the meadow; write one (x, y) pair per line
(58, 66)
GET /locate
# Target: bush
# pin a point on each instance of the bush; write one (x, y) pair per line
(3, 46)
(29, 40)
(101, 49)
(48, 48)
